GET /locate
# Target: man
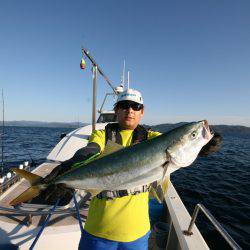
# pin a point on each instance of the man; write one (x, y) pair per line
(116, 220)
(120, 220)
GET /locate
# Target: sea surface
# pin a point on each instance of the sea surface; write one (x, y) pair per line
(219, 181)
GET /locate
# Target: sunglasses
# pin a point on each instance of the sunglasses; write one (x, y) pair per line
(126, 105)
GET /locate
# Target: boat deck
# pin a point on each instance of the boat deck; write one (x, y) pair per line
(21, 229)
(23, 185)
(19, 187)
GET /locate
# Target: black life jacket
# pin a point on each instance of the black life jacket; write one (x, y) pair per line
(112, 133)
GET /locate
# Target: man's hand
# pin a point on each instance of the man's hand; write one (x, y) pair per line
(212, 146)
(80, 155)
(55, 192)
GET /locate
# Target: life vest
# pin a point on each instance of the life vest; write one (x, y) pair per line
(112, 133)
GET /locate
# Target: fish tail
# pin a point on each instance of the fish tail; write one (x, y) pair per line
(31, 192)
(26, 195)
(32, 178)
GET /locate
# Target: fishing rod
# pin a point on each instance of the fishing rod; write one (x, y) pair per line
(2, 138)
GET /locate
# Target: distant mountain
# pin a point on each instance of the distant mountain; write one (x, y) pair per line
(45, 124)
(231, 130)
(222, 129)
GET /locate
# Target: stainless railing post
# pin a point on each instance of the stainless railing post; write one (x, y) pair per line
(193, 219)
(215, 223)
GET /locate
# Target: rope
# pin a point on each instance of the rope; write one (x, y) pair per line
(78, 213)
(43, 226)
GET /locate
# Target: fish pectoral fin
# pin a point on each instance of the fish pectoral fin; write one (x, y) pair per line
(32, 178)
(26, 195)
(165, 183)
(111, 147)
(94, 192)
(156, 193)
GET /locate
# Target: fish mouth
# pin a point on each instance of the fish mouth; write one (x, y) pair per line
(207, 132)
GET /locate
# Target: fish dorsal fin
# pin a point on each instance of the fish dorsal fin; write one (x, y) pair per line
(111, 147)
(32, 178)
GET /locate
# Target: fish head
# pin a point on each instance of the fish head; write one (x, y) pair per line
(191, 138)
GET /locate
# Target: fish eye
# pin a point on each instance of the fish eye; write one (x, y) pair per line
(193, 134)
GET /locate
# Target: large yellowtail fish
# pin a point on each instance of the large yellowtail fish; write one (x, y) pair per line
(126, 168)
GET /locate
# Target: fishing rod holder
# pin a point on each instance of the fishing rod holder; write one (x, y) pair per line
(216, 224)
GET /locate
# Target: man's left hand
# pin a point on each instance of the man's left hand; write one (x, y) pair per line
(212, 146)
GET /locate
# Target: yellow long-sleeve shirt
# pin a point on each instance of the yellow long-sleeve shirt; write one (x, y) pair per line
(122, 219)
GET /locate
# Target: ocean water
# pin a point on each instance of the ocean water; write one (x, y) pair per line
(29, 143)
(219, 181)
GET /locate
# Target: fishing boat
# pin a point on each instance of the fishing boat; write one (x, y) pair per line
(45, 226)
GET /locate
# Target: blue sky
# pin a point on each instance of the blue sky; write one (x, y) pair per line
(190, 59)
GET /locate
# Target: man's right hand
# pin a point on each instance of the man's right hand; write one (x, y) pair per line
(80, 156)
(60, 190)
(55, 192)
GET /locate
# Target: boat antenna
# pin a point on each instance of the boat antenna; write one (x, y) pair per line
(128, 79)
(2, 138)
(123, 74)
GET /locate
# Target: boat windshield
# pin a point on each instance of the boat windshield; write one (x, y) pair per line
(108, 117)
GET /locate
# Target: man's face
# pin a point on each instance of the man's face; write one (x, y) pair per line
(127, 115)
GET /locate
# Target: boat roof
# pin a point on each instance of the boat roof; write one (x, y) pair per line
(73, 141)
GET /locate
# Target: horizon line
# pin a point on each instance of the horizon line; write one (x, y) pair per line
(88, 123)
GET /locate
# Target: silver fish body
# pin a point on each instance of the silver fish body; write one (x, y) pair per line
(142, 163)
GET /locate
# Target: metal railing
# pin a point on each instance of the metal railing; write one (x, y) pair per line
(18, 211)
(216, 224)
(7, 183)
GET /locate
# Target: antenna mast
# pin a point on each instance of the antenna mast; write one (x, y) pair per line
(128, 79)
(123, 74)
